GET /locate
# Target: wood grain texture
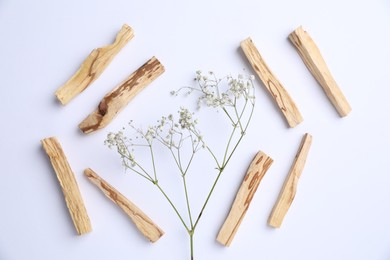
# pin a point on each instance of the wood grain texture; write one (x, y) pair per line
(117, 99)
(68, 183)
(314, 61)
(272, 84)
(93, 66)
(144, 224)
(287, 194)
(249, 185)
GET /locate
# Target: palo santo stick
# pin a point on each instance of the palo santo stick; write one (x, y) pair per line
(254, 175)
(118, 98)
(272, 84)
(289, 189)
(68, 184)
(314, 61)
(144, 224)
(93, 66)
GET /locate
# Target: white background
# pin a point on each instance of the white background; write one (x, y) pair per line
(342, 208)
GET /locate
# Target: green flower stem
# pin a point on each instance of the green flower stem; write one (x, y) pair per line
(228, 115)
(242, 135)
(243, 109)
(207, 148)
(154, 165)
(223, 167)
(142, 175)
(207, 199)
(238, 117)
(147, 176)
(212, 154)
(173, 206)
(234, 149)
(228, 145)
(215, 183)
(176, 161)
(192, 245)
(187, 201)
(189, 163)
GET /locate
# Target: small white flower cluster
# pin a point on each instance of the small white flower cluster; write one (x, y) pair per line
(115, 140)
(215, 94)
(167, 131)
(242, 86)
(150, 134)
(186, 121)
(183, 133)
(120, 141)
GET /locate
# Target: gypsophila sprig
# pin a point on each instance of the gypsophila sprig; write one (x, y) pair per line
(213, 93)
(181, 136)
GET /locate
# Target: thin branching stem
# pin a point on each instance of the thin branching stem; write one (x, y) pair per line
(137, 172)
(145, 175)
(228, 115)
(238, 117)
(189, 163)
(206, 147)
(187, 201)
(176, 161)
(212, 94)
(142, 169)
(153, 162)
(173, 206)
(242, 135)
(228, 145)
(208, 198)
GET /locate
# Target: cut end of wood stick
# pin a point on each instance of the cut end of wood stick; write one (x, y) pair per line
(118, 98)
(144, 224)
(244, 196)
(68, 184)
(287, 194)
(314, 61)
(93, 66)
(280, 95)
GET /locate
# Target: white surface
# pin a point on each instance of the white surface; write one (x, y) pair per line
(342, 208)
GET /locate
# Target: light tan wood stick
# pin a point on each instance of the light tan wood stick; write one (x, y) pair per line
(68, 184)
(117, 99)
(144, 224)
(93, 66)
(254, 175)
(289, 189)
(272, 84)
(314, 61)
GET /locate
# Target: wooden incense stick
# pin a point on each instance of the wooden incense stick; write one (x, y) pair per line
(68, 184)
(314, 61)
(93, 66)
(144, 224)
(289, 189)
(254, 175)
(272, 84)
(117, 99)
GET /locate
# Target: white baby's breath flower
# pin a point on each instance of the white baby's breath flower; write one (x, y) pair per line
(185, 118)
(176, 134)
(214, 93)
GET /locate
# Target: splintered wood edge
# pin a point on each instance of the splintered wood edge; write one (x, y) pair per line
(280, 95)
(93, 66)
(287, 194)
(249, 185)
(118, 98)
(314, 61)
(68, 184)
(144, 224)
